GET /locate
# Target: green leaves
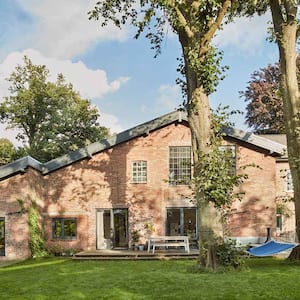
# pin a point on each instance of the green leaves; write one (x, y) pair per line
(52, 118)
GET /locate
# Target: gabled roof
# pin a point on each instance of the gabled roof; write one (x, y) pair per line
(144, 129)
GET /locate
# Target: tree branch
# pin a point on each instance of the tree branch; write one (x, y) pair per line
(277, 17)
(291, 10)
(181, 19)
(216, 24)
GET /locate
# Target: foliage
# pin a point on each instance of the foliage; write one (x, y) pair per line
(195, 23)
(7, 151)
(37, 240)
(60, 248)
(135, 236)
(230, 254)
(216, 177)
(265, 103)
(52, 118)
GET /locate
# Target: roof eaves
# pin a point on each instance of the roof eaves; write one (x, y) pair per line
(110, 142)
(19, 165)
(251, 138)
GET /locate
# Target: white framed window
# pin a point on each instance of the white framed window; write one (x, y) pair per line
(139, 171)
(180, 172)
(230, 154)
(289, 181)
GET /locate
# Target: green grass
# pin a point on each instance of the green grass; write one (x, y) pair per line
(57, 279)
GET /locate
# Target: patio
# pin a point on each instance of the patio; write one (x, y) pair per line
(122, 254)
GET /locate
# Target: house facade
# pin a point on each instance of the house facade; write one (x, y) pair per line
(100, 196)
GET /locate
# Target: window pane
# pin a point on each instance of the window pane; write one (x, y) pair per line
(69, 228)
(63, 228)
(230, 156)
(190, 222)
(179, 165)
(139, 171)
(57, 228)
(173, 221)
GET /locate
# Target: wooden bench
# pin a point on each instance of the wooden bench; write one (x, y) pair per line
(168, 241)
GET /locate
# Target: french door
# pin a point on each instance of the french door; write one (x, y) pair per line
(182, 221)
(112, 228)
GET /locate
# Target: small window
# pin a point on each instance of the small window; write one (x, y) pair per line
(64, 228)
(180, 172)
(139, 171)
(289, 182)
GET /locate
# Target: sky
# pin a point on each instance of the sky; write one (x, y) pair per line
(118, 73)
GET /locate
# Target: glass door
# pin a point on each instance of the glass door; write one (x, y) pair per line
(120, 228)
(182, 221)
(2, 236)
(112, 228)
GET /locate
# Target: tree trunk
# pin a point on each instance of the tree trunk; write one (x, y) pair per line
(199, 117)
(285, 26)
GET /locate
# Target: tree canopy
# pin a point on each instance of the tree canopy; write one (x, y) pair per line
(51, 117)
(265, 103)
(195, 23)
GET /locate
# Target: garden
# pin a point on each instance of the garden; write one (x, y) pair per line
(64, 278)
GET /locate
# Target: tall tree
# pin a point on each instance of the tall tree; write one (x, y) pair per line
(195, 22)
(52, 118)
(265, 103)
(7, 151)
(286, 30)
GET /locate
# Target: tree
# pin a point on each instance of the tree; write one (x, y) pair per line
(7, 151)
(265, 103)
(52, 118)
(195, 22)
(286, 31)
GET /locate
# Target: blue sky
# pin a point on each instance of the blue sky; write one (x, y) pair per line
(116, 72)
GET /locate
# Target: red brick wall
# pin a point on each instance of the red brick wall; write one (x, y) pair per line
(25, 188)
(104, 181)
(256, 212)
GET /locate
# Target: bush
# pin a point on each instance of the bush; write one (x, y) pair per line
(229, 253)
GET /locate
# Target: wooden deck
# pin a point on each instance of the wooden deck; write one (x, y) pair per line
(135, 255)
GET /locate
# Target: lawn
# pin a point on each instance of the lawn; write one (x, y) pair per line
(55, 278)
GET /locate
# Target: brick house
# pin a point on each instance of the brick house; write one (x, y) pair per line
(96, 197)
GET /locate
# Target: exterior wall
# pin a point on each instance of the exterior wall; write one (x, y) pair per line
(284, 198)
(104, 182)
(21, 188)
(251, 217)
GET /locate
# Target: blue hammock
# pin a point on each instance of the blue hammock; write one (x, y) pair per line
(270, 248)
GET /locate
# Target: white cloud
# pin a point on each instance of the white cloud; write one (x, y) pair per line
(111, 122)
(91, 84)
(170, 96)
(62, 28)
(245, 34)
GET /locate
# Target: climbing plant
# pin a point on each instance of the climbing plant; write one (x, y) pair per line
(37, 240)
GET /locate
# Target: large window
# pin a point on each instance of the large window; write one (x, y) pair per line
(2, 236)
(289, 181)
(182, 221)
(180, 165)
(139, 171)
(64, 228)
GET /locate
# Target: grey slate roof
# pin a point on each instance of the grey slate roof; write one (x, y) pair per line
(20, 165)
